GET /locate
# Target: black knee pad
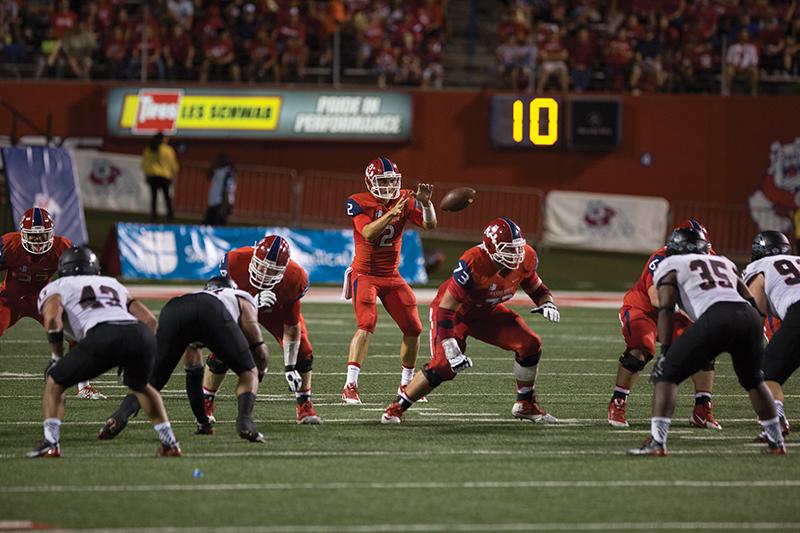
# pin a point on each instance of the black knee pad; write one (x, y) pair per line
(634, 364)
(710, 366)
(305, 365)
(434, 380)
(529, 360)
(215, 365)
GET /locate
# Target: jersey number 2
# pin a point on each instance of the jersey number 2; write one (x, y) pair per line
(719, 277)
(89, 298)
(387, 236)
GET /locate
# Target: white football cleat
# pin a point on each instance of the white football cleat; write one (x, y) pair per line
(90, 393)
(350, 394)
(525, 410)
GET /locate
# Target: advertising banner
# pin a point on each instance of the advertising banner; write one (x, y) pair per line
(175, 252)
(608, 222)
(260, 113)
(112, 182)
(40, 176)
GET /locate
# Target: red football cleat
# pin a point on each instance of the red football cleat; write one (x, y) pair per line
(350, 394)
(525, 410)
(45, 450)
(306, 414)
(393, 414)
(703, 417)
(169, 451)
(616, 413)
(208, 405)
(774, 449)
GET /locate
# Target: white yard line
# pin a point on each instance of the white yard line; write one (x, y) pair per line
(413, 485)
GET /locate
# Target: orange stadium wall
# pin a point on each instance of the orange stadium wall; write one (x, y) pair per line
(703, 148)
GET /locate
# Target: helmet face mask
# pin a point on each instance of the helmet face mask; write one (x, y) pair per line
(768, 243)
(504, 243)
(268, 264)
(383, 179)
(36, 231)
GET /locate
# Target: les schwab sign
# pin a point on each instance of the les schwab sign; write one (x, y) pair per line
(260, 114)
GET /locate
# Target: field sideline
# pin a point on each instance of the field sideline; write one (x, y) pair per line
(459, 463)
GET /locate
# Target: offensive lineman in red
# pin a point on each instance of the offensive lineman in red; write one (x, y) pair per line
(30, 257)
(379, 217)
(638, 317)
(471, 304)
(278, 283)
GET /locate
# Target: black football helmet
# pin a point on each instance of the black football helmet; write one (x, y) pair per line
(220, 282)
(687, 241)
(78, 261)
(769, 243)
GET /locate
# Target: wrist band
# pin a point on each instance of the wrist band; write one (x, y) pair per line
(55, 336)
(428, 213)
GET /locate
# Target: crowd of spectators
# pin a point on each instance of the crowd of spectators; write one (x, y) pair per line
(396, 41)
(647, 45)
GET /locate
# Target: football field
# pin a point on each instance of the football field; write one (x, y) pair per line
(459, 463)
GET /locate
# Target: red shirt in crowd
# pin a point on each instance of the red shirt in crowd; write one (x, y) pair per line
(61, 21)
(619, 52)
(218, 47)
(179, 47)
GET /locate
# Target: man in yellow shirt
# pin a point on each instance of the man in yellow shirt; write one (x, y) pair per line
(160, 166)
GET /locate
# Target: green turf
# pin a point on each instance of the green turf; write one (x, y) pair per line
(458, 463)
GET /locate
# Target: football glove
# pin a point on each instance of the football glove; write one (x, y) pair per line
(266, 299)
(549, 311)
(293, 378)
(458, 361)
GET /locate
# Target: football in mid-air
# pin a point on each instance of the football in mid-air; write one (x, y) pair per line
(457, 199)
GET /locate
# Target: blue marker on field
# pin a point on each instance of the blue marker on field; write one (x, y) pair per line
(197, 473)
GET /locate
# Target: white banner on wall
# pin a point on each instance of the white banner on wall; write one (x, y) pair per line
(112, 182)
(609, 222)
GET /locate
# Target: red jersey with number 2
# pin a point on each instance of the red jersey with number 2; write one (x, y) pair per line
(27, 272)
(380, 257)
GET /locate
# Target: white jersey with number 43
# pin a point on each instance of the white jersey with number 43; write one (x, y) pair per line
(88, 301)
(781, 280)
(703, 280)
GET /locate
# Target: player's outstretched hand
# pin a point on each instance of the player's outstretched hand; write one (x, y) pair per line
(458, 361)
(549, 311)
(424, 193)
(266, 299)
(293, 378)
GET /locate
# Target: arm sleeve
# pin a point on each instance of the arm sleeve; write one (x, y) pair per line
(292, 313)
(530, 283)
(415, 212)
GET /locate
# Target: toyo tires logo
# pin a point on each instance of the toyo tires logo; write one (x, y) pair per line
(157, 110)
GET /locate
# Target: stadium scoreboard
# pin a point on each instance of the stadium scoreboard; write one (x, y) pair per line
(547, 123)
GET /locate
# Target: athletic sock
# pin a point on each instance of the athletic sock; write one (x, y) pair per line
(406, 375)
(209, 393)
(524, 392)
(194, 390)
(404, 401)
(620, 392)
(779, 408)
(302, 396)
(702, 398)
(165, 434)
(352, 373)
(659, 428)
(52, 430)
(773, 430)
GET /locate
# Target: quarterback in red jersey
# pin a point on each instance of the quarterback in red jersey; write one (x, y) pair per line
(638, 317)
(30, 257)
(470, 303)
(278, 283)
(379, 217)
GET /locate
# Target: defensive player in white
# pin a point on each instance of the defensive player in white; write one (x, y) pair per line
(724, 320)
(773, 277)
(111, 330)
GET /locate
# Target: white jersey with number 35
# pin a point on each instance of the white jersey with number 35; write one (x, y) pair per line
(88, 301)
(781, 280)
(703, 280)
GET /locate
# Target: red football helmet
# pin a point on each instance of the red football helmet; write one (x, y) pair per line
(692, 223)
(383, 178)
(504, 243)
(36, 229)
(270, 257)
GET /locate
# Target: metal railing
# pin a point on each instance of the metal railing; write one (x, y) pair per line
(317, 198)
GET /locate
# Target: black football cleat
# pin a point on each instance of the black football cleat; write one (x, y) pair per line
(112, 428)
(45, 450)
(205, 428)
